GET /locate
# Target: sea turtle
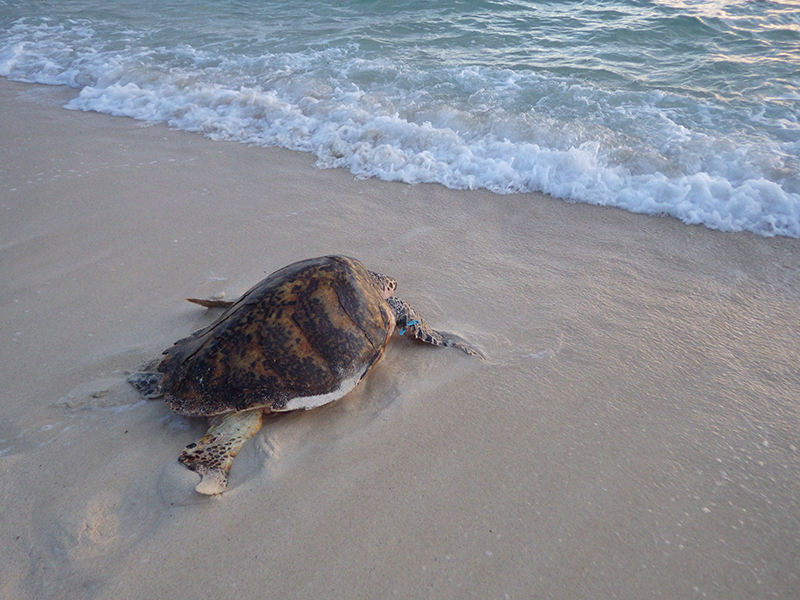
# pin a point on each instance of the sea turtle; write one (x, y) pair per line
(301, 338)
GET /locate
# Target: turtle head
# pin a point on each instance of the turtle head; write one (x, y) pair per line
(385, 284)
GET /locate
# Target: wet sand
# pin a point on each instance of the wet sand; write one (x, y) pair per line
(632, 433)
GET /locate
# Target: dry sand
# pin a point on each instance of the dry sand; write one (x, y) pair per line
(633, 432)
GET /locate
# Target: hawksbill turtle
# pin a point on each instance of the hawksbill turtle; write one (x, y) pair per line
(302, 337)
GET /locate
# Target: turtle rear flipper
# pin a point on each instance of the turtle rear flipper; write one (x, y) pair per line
(212, 303)
(211, 457)
(147, 382)
(408, 319)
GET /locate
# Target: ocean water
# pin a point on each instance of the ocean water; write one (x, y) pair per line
(677, 107)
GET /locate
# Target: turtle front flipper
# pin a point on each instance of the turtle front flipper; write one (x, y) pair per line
(407, 319)
(211, 457)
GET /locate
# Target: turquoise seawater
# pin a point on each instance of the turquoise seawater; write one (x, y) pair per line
(684, 108)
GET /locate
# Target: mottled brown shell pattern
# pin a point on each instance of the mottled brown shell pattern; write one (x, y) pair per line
(300, 332)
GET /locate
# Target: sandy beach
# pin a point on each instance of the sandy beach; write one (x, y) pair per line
(632, 433)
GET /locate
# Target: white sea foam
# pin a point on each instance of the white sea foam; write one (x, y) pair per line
(462, 126)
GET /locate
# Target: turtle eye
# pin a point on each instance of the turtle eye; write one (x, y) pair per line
(386, 285)
(389, 286)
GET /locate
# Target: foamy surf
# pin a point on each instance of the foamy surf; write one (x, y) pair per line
(726, 163)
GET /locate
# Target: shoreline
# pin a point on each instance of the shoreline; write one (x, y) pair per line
(636, 414)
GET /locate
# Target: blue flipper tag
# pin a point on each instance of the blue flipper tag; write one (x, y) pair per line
(409, 324)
